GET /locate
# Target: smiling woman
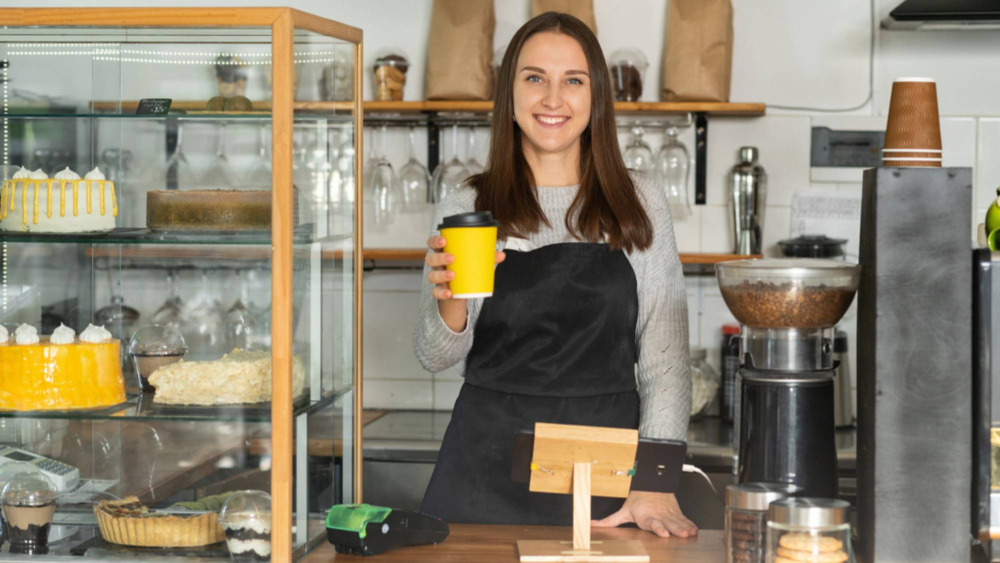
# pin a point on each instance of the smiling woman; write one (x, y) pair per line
(589, 294)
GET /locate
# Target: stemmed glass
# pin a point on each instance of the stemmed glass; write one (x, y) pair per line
(413, 180)
(185, 175)
(672, 172)
(238, 326)
(259, 175)
(448, 177)
(220, 174)
(473, 165)
(380, 189)
(203, 320)
(638, 156)
(169, 314)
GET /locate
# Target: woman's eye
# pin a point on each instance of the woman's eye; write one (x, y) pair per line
(534, 78)
(575, 81)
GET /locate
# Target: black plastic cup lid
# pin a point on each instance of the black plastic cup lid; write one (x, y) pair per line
(812, 246)
(474, 219)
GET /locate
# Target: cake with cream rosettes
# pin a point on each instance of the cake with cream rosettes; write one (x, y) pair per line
(61, 371)
(67, 203)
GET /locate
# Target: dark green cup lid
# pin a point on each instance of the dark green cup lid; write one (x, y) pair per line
(474, 219)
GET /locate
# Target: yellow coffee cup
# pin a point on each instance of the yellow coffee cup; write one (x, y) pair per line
(472, 239)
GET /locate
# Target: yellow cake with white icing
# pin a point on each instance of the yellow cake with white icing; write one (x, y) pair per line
(239, 377)
(33, 202)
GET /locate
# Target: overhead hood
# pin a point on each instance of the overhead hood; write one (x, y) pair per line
(944, 14)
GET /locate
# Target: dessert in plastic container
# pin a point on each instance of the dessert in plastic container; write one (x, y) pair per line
(390, 69)
(246, 521)
(628, 71)
(153, 347)
(788, 293)
(29, 503)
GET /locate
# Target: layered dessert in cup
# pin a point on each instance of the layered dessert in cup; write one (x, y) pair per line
(246, 521)
(28, 505)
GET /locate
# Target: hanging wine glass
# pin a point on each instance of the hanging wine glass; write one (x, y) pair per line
(449, 176)
(177, 160)
(380, 190)
(220, 174)
(169, 314)
(672, 172)
(238, 326)
(638, 156)
(473, 165)
(413, 179)
(259, 175)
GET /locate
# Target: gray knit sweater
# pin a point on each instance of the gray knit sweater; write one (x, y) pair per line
(661, 331)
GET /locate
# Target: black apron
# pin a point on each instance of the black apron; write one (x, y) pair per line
(555, 343)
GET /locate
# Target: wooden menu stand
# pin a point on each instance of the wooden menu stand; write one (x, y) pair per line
(584, 461)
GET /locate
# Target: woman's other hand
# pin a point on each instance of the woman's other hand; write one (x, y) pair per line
(654, 512)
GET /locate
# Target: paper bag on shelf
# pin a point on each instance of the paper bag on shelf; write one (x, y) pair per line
(460, 50)
(698, 51)
(580, 9)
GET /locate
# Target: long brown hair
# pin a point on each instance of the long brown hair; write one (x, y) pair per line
(607, 203)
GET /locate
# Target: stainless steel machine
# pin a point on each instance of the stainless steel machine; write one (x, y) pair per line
(785, 404)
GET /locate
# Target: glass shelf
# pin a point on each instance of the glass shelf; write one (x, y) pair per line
(258, 117)
(302, 235)
(142, 408)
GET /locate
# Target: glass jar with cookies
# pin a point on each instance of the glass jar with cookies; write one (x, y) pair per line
(809, 529)
(746, 518)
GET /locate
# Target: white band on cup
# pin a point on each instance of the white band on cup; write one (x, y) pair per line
(909, 79)
(936, 151)
(471, 295)
(911, 159)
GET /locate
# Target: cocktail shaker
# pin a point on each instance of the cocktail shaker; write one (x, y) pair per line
(748, 196)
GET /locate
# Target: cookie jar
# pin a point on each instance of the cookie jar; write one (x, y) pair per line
(746, 519)
(809, 529)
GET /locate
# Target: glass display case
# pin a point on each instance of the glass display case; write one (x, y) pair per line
(186, 177)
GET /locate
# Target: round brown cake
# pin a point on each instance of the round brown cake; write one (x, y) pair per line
(208, 210)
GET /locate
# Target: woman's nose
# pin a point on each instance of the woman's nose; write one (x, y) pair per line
(553, 96)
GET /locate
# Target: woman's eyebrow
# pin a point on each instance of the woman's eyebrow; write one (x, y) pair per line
(540, 71)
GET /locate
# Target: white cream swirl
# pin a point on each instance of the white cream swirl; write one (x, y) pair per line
(25, 329)
(63, 335)
(95, 174)
(26, 334)
(67, 174)
(4, 335)
(39, 175)
(95, 334)
(22, 174)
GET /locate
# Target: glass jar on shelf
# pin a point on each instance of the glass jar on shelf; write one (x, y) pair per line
(809, 529)
(628, 70)
(746, 518)
(390, 69)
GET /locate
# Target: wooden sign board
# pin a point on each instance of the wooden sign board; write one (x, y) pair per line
(610, 451)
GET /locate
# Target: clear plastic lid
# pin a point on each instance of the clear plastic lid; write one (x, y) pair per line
(247, 506)
(394, 57)
(157, 340)
(29, 489)
(9, 470)
(629, 56)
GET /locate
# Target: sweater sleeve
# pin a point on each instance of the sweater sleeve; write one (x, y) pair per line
(438, 347)
(663, 369)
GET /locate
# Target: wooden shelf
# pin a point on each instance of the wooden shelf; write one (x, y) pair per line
(471, 106)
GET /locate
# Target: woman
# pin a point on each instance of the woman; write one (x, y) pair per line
(589, 285)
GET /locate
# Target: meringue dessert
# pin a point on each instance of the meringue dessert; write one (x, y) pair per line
(61, 371)
(66, 203)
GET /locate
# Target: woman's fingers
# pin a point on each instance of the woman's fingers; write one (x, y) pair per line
(441, 292)
(439, 259)
(501, 256)
(679, 526)
(659, 529)
(435, 242)
(438, 277)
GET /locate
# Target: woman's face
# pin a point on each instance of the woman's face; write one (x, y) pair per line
(552, 93)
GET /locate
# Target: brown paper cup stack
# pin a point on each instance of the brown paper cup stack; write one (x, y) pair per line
(913, 133)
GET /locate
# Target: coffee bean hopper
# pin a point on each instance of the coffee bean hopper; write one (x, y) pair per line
(784, 416)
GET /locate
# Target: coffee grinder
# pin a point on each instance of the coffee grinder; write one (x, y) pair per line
(784, 422)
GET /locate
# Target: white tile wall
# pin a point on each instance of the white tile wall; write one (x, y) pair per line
(988, 171)
(397, 394)
(716, 229)
(687, 230)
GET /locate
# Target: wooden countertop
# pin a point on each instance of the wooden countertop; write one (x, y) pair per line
(498, 544)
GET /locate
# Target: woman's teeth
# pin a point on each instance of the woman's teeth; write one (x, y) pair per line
(551, 120)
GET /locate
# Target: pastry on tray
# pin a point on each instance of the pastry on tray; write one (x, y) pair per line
(210, 210)
(59, 372)
(34, 202)
(129, 522)
(237, 378)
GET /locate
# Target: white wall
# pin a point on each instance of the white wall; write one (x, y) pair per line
(810, 53)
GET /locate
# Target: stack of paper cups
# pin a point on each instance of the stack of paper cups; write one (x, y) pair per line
(913, 133)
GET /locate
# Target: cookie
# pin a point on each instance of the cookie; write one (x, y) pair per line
(747, 535)
(810, 557)
(748, 556)
(810, 544)
(748, 525)
(747, 544)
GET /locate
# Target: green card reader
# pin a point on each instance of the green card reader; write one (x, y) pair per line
(363, 529)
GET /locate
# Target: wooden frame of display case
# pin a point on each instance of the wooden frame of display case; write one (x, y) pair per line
(282, 22)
